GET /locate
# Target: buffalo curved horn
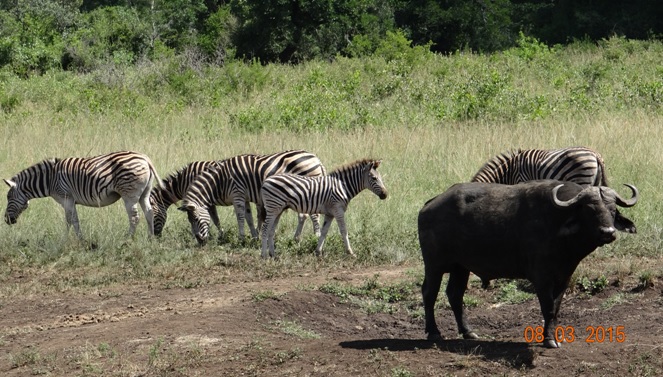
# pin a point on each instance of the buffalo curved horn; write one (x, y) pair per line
(630, 202)
(564, 203)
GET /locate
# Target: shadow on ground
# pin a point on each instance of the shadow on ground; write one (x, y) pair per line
(515, 354)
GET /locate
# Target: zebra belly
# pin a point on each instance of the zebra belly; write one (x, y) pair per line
(99, 202)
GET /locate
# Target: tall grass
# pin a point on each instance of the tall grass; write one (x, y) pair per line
(434, 120)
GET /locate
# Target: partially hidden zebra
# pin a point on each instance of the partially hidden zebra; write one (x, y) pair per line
(91, 181)
(236, 181)
(328, 195)
(581, 165)
(173, 189)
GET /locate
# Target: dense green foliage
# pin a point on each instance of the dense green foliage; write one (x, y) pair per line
(83, 35)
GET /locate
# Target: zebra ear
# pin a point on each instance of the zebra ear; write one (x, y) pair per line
(187, 207)
(376, 164)
(10, 183)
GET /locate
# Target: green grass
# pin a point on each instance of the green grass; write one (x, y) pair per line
(434, 121)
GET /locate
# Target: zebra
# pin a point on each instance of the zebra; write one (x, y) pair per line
(236, 181)
(328, 195)
(581, 165)
(173, 189)
(91, 181)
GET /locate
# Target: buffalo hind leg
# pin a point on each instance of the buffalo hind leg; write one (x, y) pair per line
(429, 290)
(455, 291)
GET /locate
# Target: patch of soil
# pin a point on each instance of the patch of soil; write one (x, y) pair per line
(224, 330)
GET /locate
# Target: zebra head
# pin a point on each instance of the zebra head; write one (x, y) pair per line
(373, 180)
(199, 218)
(17, 202)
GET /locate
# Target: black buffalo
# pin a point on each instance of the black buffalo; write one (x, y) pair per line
(537, 230)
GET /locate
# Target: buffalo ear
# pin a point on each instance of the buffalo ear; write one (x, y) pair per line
(570, 227)
(623, 224)
(10, 183)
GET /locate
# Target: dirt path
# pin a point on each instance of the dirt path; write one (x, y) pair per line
(225, 330)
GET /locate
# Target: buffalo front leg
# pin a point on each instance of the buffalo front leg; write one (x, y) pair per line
(455, 291)
(429, 290)
(547, 303)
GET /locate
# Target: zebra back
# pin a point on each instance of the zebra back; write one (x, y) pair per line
(576, 164)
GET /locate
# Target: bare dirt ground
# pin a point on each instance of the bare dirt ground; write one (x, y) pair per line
(223, 330)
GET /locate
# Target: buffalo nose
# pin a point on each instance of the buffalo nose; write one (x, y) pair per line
(608, 232)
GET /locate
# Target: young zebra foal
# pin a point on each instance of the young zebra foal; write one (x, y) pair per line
(328, 195)
(93, 182)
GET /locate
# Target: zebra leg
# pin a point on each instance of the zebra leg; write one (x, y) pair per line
(342, 228)
(301, 218)
(240, 212)
(268, 232)
(323, 234)
(130, 205)
(214, 216)
(315, 219)
(71, 215)
(249, 220)
(272, 234)
(146, 206)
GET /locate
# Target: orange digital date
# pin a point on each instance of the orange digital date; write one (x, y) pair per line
(568, 334)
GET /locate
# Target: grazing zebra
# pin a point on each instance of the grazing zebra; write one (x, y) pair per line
(328, 195)
(237, 181)
(173, 189)
(93, 182)
(576, 164)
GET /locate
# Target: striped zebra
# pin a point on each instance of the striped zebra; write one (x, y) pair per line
(237, 181)
(581, 165)
(173, 189)
(328, 195)
(92, 181)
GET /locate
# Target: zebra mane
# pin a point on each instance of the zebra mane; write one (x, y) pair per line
(362, 162)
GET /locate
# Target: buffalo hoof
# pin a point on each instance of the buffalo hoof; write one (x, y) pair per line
(551, 343)
(434, 337)
(470, 335)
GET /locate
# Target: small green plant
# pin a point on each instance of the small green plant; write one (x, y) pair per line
(295, 329)
(401, 372)
(587, 285)
(511, 294)
(264, 295)
(29, 356)
(616, 299)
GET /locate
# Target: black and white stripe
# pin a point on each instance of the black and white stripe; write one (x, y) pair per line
(328, 195)
(173, 189)
(581, 165)
(237, 181)
(93, 182)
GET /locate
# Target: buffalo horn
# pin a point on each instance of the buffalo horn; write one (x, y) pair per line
(562, 203)
(630, 202)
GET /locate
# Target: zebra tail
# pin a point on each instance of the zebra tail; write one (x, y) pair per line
(603, 176)
(161, 185)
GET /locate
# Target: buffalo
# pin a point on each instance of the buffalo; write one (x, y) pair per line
(537, 230)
